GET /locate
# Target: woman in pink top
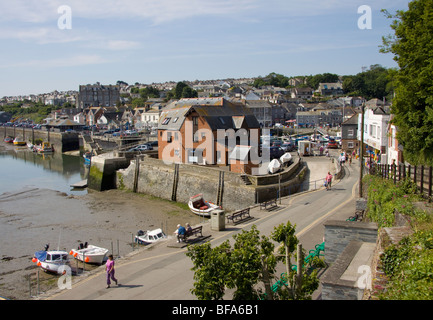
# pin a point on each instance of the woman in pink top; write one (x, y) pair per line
(109, 266)
(328, 180)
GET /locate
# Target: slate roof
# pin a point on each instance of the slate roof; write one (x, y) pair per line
(218, 113)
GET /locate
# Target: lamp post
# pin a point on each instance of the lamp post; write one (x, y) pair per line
(361, 155)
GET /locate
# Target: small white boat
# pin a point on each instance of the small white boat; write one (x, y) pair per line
(287, 157)
(274, 166)
(89, 253)
(201, 207)
(149, 237)
(45, 147)
(30, 145)
(51, 261)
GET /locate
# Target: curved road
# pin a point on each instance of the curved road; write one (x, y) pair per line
(163, 272)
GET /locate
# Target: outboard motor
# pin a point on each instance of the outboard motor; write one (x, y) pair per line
(46, 247)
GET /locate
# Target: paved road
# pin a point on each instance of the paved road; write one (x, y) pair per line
(162, 272)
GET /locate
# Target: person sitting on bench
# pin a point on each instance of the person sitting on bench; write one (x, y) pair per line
(180, 233)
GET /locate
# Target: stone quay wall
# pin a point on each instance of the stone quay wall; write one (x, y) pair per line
(156, 178)
(61, 141)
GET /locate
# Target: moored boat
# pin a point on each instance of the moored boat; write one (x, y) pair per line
(274, 166)
(287, 157)
(201, 207)
(149, 237)
(51, 261)
(45, 147)
(8, 140)
(89, 253)
(18, 141)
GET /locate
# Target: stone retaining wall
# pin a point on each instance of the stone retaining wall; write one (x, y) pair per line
(158, 179)
(61, 141)
(339, 233)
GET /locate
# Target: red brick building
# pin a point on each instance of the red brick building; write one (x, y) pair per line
(206, 131)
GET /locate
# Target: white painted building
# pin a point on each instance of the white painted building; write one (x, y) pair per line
(376, 121)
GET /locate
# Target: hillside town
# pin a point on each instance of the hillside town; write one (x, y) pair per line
(109, 108)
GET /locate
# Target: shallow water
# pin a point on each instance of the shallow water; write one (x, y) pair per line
(21, 168)
(37, 206)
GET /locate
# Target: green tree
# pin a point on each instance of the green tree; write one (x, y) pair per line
(376, 82)
(412, 45)
(272, 79)
(188, 92)
(249, 263)
(314, 81)
(149, 92)
(239, 268)
(294, 288)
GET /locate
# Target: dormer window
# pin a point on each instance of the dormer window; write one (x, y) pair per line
(166, 121)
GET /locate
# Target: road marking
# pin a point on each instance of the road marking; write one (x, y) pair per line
(294, 197)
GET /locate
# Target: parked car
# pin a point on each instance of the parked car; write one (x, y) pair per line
(287, 146)
(332, 144)
(274, 152)
(142, 147)
(153, 143)
(277, 143)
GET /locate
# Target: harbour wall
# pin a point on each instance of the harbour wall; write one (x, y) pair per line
(178, 182)
(61, 141)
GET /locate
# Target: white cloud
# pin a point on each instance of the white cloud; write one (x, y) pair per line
(160, 11)
(73, 61)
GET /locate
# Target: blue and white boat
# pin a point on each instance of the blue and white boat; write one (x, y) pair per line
(52, 261)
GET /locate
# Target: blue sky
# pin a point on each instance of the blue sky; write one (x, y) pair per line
(172, 40)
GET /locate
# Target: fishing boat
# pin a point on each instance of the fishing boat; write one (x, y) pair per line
(89, 253)
(201, 207)
(274, 166)
(51, 261)
(149, 237)
(18, 141)
(45, 147)
(8, 140)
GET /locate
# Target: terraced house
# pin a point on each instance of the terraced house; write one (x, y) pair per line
(208, 131)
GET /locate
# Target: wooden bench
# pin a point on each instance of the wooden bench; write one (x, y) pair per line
(358, 216)
(193, 231)
(241, 214)
(270, 204)
(312, 254)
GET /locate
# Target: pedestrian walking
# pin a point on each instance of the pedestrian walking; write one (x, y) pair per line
(328, 181)
(109, 266)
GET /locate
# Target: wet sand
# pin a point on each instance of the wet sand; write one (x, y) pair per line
(31, 218)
